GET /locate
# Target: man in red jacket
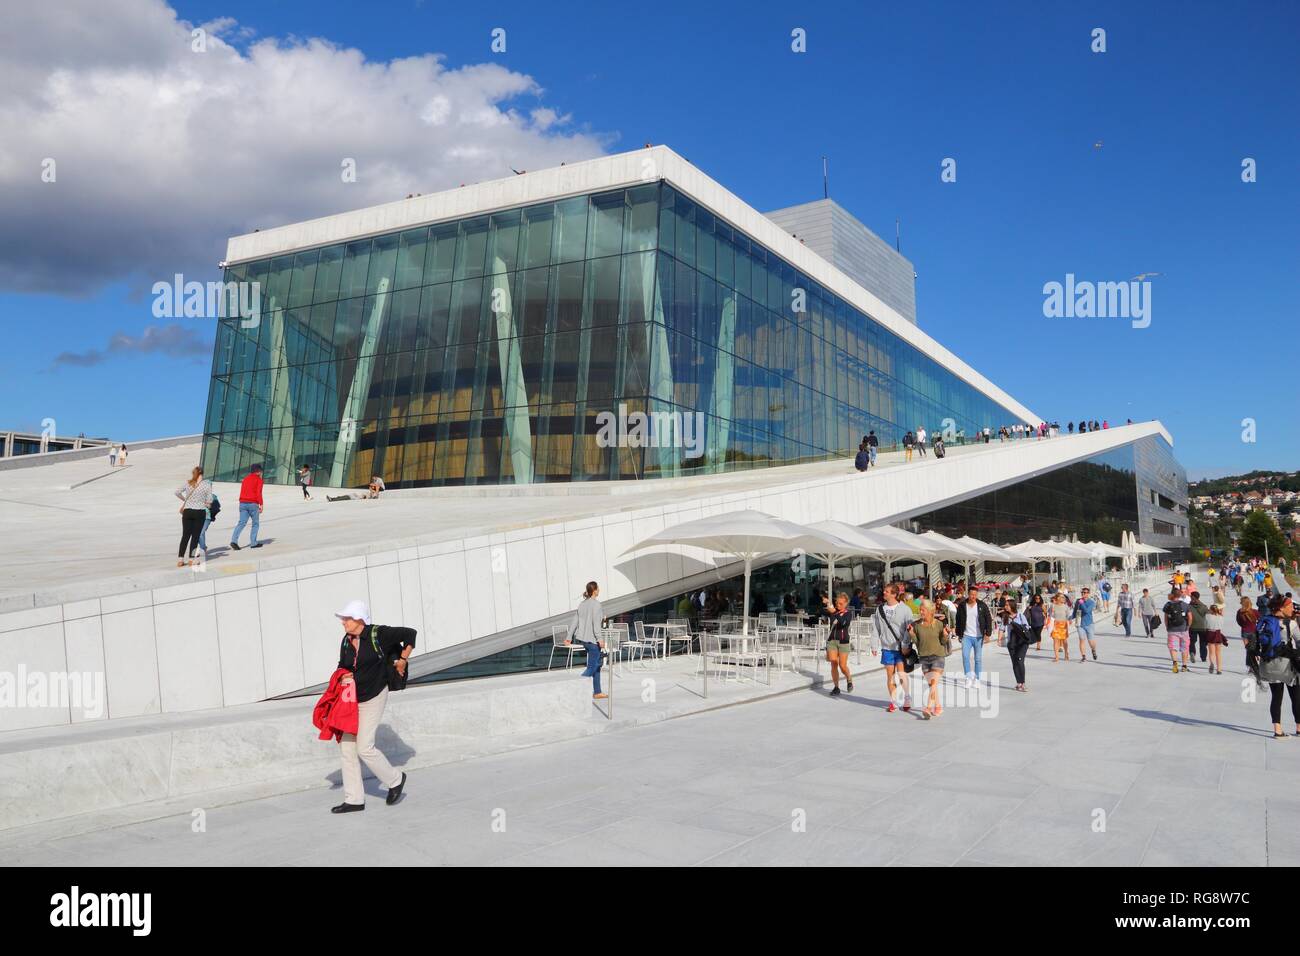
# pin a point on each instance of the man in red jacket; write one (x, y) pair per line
(250, 507)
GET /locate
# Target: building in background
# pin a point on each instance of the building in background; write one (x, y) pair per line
(483, 335)
(835, 234)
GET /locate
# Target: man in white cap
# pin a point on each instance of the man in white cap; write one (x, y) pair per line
(376, 656)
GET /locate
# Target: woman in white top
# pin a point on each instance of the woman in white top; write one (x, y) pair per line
(196, 496)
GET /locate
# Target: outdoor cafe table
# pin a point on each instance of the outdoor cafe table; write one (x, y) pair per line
(660, 634)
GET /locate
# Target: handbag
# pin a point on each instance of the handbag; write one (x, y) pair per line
(393, 678)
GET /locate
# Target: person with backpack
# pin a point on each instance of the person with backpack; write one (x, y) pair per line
(376, 658)
(1177, 623)
(1247, 621)
(1019, 636)
(939, 450)
(1037, 617)
(1105, 595)
(1272, 659)
(862, 461)
(909, 441)
(214, 509)
(1198, 628)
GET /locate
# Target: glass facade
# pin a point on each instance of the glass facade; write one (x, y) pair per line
(1099, 499)
(499, 348)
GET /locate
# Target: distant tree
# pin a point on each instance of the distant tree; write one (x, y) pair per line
(1258, 529)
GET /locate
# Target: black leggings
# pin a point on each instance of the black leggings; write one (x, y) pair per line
(1275, 703)
(191, 527)
(1038, 635)
(1018, 646)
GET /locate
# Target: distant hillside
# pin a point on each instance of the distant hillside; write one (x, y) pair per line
(1257, 480)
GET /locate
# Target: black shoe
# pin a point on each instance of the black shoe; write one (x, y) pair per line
(347, 807)
(1094, 655)
(234, 546)
(849, 687)
(258, 545)
(395, 793)
(835, 691)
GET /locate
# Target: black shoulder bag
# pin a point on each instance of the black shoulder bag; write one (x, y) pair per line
(911, 657)
(395, 679)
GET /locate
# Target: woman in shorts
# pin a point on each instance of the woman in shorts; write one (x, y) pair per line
(931, 636)
(1247, 620)
(1060, 618)
(837, 645)
(1214, 639)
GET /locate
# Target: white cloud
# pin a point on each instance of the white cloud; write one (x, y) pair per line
(161, 152)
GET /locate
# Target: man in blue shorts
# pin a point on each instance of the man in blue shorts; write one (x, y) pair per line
(893, 630)
(1083, 609)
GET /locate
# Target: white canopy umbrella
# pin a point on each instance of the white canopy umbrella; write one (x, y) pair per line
(746, 535)
(856, 542)
(900, 545)
(991, 552)
(1108, 550)
(955, 551)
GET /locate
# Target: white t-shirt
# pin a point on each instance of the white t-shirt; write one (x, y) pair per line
(920, 435)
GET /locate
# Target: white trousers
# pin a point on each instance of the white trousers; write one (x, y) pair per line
(361, 746)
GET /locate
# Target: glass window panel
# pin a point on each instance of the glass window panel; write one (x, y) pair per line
(566, 291)
(539, 223)
(356, 263)
(505, 242)
(471, 247)
(642, 218)
(636, 303)
(667, 219)
(466, 299)
(532, 285)
(303, 283)
(684, 210)
(440, 253)
(705, 257)
(600, 370)
(726, 253)
(383, 258)
(277, 282)
(602, 291)
(329, 269)
(435, 314)
(572, 229)
(411, 252)
(605, 225)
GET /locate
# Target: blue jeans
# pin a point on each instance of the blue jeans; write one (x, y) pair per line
(593, 665)
(247, 510)
(1126, 616)
(203, 535)
(871, 450)
(969, 646)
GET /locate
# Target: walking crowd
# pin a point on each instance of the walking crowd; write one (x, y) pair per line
(916, 441)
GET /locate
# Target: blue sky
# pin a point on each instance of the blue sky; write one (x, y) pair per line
(1012, 92)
